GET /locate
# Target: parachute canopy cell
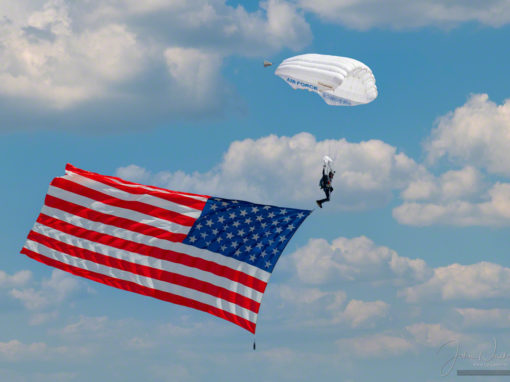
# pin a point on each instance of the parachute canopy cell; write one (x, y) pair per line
(340, 81)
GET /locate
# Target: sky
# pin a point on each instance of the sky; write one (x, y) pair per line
(406, 266)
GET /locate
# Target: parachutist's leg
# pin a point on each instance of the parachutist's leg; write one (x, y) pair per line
(326, 199)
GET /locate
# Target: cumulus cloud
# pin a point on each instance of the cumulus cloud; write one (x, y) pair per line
(475, 136)
(359, 313)
(375, 346)
(43, 300)
(462, 282)
(397, 14)
(320, 262)
(287, 170)
(18, 279)
(121, 60)
(485, 318)
(433, 335)
(17, 351)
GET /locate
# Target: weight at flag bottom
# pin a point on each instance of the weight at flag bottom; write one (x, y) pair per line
(207, 253)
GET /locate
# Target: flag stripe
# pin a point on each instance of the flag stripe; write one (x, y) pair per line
(132, 205)
(141, 280)
(116, 259)
(119, 193)
(77, 215)
(116, 221)
(255, 286)
(184, 198)
(137, 288)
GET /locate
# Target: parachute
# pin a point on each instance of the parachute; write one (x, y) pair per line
(328, 162)
(340, 81)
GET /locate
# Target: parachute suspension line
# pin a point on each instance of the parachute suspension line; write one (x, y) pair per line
(254, 343)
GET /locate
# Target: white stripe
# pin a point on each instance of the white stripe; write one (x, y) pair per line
(155, 242)
(148, 261)
(143, 198)
(142, 280)
(150, 188)
(117, 211)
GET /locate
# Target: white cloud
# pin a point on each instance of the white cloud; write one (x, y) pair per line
(17, 351)
(468, 282)
(433, 335)
(476, 134)
(51, 293)
(493, 212)
(375, 346)
(119, 59)
(366, 14)
(485, 318)
(359, 258)
(287, 170)
(18, 279)
(359, 313)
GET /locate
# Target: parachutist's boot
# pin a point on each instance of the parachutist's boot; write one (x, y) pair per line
(318, 203)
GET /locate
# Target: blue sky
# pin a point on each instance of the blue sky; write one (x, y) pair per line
(411, 253)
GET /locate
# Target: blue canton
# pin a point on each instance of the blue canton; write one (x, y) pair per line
(254, 233)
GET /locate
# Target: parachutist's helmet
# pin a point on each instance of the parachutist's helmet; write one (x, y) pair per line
(331, 173)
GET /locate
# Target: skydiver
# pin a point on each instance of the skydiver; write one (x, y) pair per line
(325, 184)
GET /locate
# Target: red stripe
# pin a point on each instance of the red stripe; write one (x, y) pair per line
(144, 270)
(115, 221)
(135, 188)
(155, 252)
(133, 287)
(134, 205)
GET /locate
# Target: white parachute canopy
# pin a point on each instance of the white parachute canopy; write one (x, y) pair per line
(328, 163)
(340, 81)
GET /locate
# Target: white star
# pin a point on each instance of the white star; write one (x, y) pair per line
(268, 264)
(275, 222)
(209, 223)
(243, 213)
(224, 204)
(248, 221)
(259, 218)
(300, 215)
(245, 239)
(237, 253)
(267, 233)
(255, 209)
(271, 215)
(240, 232)
(291, 227)
(219, 239)
(263, 254)
(215, 231)
(252, 258)
(232, 215)
(192, 239)
(247, 248)
(266, 207)
(263, 225)
(236, 224)
(230, 235)
(214, 207)
(203, 234)
(256, 236)
(260, 245)
(234, 244)
(199, 226)
(223, 247)
(275, 251)
(282, 238)
(252, 229)
(278, 230)
(221, 219)
(286, 219)
(283, 211)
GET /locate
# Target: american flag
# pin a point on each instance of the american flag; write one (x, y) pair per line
(207, 253)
